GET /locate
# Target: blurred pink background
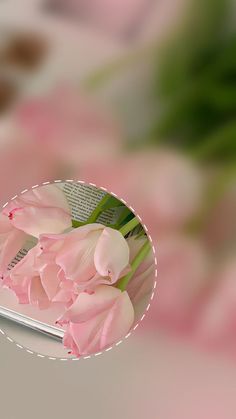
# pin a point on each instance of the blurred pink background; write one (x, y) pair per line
(137, 97)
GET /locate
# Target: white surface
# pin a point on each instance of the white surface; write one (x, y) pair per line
(149, 376)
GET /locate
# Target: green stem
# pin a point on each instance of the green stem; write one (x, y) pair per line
(76, 224)
(125, 229)
(143, 252)
(129, 226)
(98, 210)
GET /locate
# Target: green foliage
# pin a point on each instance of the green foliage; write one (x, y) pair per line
(112, 202)
(195, 83)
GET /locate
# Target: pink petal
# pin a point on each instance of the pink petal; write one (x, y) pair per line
(118, 321)
(111, 256)
(19, 277)
(24, 268)
(50, 281)
(88, 306)
(98, 320)
(36, 220)
(76, 254)
(21, 290)
(40, 210)
(69, 343)
(46, 196)
(13, 242)
(86, 336)
(77, 258)
(63, 296)
(37, 294)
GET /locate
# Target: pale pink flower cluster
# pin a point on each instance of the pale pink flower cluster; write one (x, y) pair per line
(77, 268)
(38, 211)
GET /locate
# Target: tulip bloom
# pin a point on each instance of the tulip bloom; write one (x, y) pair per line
(62, 265)
(96, 321)
(88, 255)
(41, 210)
(37, 283)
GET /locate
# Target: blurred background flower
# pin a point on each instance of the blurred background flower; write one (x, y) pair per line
(138, 97)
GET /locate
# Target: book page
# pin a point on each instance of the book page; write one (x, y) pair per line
(83, 199)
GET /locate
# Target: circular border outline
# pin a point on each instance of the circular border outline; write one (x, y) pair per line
(153, 289)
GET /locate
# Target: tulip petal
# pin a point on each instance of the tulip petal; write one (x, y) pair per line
(86, 335)
(111, 255)
(20, 276)
(49, 280)
(48, 196)
(37, 294)
(69, 343)
(76, 256)
(118, 322)
(96, 321)
(25, 267)
(12, 245)
(87, 306)
(41, 210)
(40, 220)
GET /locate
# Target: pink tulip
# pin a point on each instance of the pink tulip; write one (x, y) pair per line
(62, 265)
(96, 321)
(36, 283)
(89, 254)
(40, 210)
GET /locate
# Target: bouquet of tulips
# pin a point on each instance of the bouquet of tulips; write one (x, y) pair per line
(98, 274)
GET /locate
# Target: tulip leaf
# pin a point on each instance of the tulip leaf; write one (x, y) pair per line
(112, 202)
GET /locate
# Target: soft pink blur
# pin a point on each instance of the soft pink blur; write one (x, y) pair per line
(119, 18)
(216, 324)
(70, 126)
(20, 169)
(164, 187)
(182, 269)
(180, 363)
